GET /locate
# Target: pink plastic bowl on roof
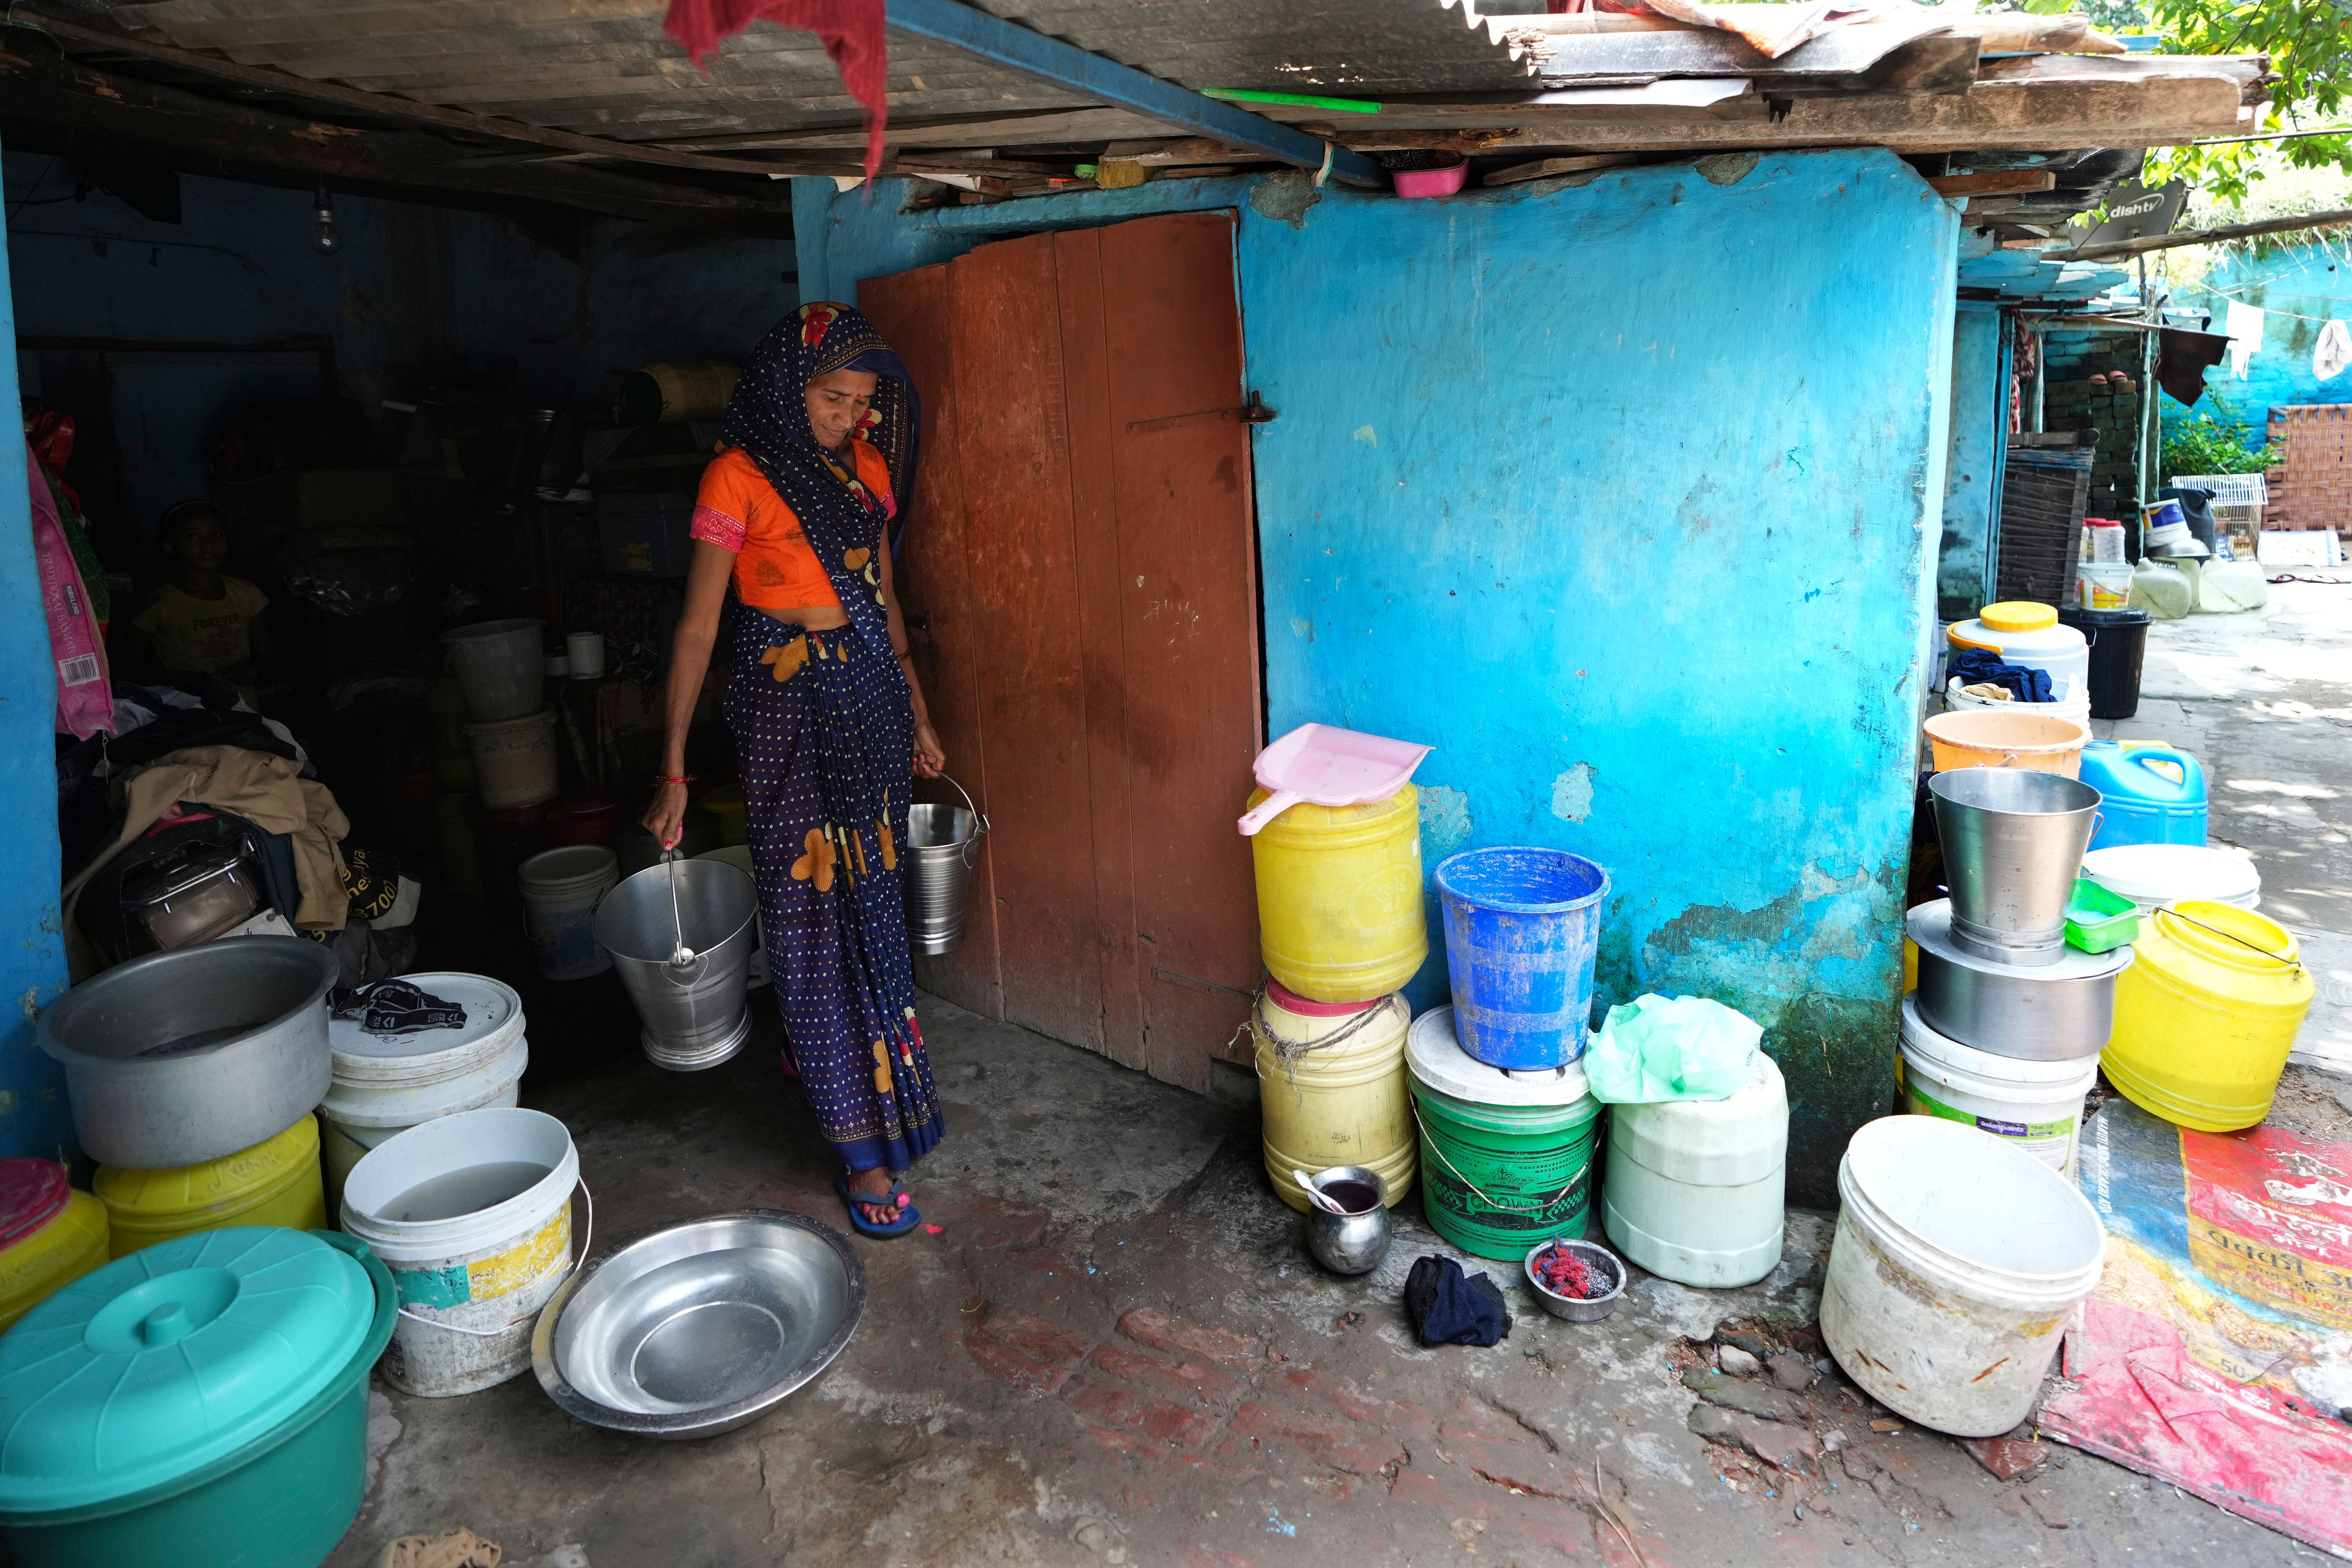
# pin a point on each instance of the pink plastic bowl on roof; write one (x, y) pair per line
(1325, 766)
(1444, 182)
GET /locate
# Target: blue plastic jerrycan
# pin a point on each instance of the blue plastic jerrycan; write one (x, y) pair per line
(2152, 794)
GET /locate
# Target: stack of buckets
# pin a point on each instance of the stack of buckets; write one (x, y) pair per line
(1507, 1122)
(1340, 929)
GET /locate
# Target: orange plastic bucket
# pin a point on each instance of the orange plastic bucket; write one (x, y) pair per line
(1991, 738)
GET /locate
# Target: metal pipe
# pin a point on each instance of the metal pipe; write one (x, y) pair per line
(1097, 77)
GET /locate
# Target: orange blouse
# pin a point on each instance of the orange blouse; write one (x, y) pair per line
(776, 567)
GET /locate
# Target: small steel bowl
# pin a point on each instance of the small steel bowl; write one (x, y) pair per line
(697, 1328)
(1576, 1311)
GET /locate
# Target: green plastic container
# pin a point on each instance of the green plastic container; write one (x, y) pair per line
(281, 1499)
(1505, 1158)
(2098, 920)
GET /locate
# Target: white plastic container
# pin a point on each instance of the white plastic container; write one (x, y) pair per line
(470, 1284)
(385, 1084)
(2029, 634)
(1958, 1263)
(2103, 540)
(586, 652)
(739, 856)
(2165, 589)
(2104, 584)
(514, 759)
(500, 668)
(1695, 1188)
(2231, 588)
(2036, 1105)
(2153, 875)
(561, 890)
(2076, 704)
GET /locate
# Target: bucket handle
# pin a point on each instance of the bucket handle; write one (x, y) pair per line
(1544, 1207)
(972, 844)
(2293, 965)
(587, 1244)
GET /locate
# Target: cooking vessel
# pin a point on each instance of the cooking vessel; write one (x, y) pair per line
(188, 1055)
(1352, 1242)
(698, 1328)
(189, 895)
(2060, 1012)
(2013, 843)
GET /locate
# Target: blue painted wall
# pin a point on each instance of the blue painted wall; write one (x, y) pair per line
(1625, 494)
(411, 291)
(2303, 286)
(1973, 458)
(33, 1118)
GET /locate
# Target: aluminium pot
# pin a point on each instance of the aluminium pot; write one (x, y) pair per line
(188, 1055)
(2060, 1012)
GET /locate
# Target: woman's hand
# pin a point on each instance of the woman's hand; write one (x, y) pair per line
(666, 818)
(931, 757)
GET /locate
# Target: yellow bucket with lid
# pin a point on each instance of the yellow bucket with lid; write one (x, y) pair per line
(1339, 913)
(69, 1245)
(275, 1182)
(2206, 1015)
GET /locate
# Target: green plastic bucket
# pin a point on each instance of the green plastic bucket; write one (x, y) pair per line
(1505, 1158)
(282, 1501)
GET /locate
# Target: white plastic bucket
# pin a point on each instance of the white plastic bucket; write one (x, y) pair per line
(2073, 702)
(470, 1286)
(1959, 1262)
(2104, 584)
(586, 652)
(739, 856)
(386, 1083)
(2152, 875)
(499, 667)
(561, 890)
(2038, 1106)
(514, 759)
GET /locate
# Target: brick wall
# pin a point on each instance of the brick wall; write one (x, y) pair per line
(2313, 488)
(2071, 399)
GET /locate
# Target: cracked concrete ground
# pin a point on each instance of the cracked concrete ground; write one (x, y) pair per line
(1116, 1352)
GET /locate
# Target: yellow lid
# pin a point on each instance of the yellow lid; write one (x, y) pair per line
(2018, 615)
(272, 1161)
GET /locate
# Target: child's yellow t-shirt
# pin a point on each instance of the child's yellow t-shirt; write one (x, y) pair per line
(205, 636)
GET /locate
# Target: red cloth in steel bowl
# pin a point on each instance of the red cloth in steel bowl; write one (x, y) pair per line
(31, 1193)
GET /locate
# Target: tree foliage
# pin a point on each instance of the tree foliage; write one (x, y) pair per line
(2214, 440)
(2310, 46)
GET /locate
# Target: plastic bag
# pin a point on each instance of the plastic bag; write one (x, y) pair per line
(1671, 1047)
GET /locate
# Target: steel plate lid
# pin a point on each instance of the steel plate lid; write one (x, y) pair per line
(31, 1193)
(164, 1360)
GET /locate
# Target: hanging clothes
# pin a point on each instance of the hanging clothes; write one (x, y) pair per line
(2243, 324)
(2332, 354)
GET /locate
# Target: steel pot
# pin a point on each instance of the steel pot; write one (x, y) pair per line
(188, 1055)
(1352, 1242)
(2060, 1012)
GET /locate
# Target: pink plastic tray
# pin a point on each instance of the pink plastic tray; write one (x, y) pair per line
(1329, 767)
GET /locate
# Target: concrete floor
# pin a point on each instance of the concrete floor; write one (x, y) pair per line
(1115, 1352)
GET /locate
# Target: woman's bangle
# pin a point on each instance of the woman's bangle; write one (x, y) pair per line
(673, 778)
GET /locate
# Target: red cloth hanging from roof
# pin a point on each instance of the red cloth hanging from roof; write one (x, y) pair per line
(851, 31)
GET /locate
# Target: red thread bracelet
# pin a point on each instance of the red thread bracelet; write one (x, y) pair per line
(673, 778)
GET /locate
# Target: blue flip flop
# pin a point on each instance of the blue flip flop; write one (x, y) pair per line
(908, 1218)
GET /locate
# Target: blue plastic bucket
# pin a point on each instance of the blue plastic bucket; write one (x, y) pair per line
(1521, 927)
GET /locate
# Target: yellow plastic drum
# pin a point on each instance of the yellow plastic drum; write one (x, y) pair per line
(2205, 1016)
(54, 1254)
(275, 1182)
(1338, 896)
(1331, 1090)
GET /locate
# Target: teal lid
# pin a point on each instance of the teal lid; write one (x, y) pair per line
(164, 1360)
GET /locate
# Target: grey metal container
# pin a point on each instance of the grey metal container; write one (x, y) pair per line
(943, 844)
(2013, 842)
(1350, 1243)
(694, 1014)
(2058, 1012)
(1591, 1309)
(191, 1054)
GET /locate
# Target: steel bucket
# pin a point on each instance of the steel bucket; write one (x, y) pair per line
(694, 1014)
(2013, 842)
(942, 845)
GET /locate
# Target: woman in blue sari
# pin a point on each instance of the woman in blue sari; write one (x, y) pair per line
(792, 550)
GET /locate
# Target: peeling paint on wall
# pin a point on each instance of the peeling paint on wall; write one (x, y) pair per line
(1445, 821)
(1572, 793)
(1284, 197)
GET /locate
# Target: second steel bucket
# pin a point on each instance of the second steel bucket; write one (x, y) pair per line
(2013, 843)
(943, 844)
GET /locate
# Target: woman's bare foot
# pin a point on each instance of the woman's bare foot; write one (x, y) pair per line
(876, 1181)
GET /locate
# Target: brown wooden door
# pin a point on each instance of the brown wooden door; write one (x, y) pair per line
(1081, 570)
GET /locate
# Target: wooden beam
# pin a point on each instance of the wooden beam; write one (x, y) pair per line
(2335, 217)
(399, 110)
(1993, 182)
(51, 93)
(1575, 163)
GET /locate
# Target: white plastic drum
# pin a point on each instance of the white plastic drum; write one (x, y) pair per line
(387, 1083)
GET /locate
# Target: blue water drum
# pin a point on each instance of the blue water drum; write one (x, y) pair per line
(1521, 928)
(2149, 794)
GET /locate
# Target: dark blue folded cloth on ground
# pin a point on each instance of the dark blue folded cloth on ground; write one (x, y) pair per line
(1450, 1308)
(1974, 665)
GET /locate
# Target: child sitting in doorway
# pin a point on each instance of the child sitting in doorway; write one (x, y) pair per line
(204, 621)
